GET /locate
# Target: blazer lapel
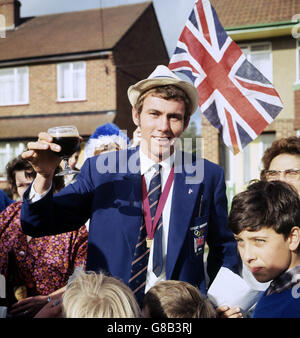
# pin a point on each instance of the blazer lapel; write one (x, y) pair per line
(183, 204)
(128, 189)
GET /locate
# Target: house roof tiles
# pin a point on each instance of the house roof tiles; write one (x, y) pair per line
(84, 31)
(233, 13)
(71, 32)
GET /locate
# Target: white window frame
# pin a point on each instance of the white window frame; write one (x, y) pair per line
(10, 151)
(70, 82)
(297, 62)
(15, 75)
(264, 141)
(249, 46)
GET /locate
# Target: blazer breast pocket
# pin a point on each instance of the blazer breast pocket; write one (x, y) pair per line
(197, 234)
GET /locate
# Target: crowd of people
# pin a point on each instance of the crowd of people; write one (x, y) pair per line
(130, 242)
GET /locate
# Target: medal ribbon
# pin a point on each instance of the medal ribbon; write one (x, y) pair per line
(162, 201)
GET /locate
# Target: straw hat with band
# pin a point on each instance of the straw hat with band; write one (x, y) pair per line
(163, 76)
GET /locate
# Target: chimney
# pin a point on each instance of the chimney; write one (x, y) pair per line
(10, 13)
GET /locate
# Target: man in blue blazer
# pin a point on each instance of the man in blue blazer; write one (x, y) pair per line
(112, 188)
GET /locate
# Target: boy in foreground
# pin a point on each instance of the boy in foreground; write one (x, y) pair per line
(265, 220)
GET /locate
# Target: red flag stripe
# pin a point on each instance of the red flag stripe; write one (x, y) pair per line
(259, 88)
(205, 48)
(232, 132)
(204, 24)
(217, 78)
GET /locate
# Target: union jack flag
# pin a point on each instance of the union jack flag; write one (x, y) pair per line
(233, 95)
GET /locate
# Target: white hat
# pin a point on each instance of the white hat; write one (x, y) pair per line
(163, 76)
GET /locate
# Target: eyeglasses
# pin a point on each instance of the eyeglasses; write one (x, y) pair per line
(289, 174)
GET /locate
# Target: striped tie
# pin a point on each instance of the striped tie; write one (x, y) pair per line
(154, 195)
(139, 266)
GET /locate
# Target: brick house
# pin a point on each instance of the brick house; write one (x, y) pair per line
(72, 68)
(263, 29)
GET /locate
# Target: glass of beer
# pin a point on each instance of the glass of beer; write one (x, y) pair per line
(68, 138)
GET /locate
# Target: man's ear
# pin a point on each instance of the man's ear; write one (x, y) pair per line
(294, 238)
(135, 117)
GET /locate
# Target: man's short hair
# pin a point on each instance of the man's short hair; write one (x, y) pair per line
(289, 145)
(168, 92)
(95, 295)
(177, 299)
(273, 204)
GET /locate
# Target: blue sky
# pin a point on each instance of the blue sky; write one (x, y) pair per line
(171, 14)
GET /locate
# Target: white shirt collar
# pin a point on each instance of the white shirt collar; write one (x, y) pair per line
(147, 164)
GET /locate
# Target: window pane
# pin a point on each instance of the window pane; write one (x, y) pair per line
(8, 151)
(246, 160)
(64, 78)
(263, 63)
(245, 50)
(78, 82)
(260, 56)
(9, 90)
(78, 66)
(260, 47)
(6, 86)
(22, 85)
(267, 139)
(6, 72)
(4, 158)
(14, 86)
(76, 85)
(71, 81)
(298, 62)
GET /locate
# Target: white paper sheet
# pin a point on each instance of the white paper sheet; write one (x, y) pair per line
(3, 309)
(230, 289)
(2, 286)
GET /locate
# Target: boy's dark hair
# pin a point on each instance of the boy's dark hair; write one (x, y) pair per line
(20, 164)
(177, 299)
(273, 204)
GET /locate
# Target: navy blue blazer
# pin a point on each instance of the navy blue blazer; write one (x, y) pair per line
(112, 201)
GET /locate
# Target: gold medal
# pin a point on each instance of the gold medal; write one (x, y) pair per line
(20, 292)
(149, 242)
